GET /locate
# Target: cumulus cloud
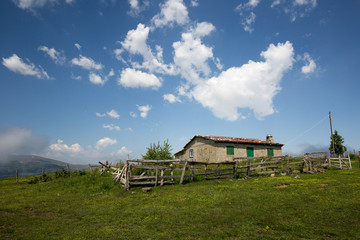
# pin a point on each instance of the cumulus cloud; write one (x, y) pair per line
(135, 79)
(113, 114)
(295, 8)
(62, 147)
(144, 110)
(57, 56)
(310, 64)
(111, 127)
(135, 44)
(20, 141)
(194, 3)
(248, 21)
(96, 79)
(171, 98)
(251, 86)
(122, 152)
(31, 5)
(191, 55)
(172, 11)
(78, 46)
(17, 65)
(75, 153)
(136, 7)
(104, 143)
(87, 63)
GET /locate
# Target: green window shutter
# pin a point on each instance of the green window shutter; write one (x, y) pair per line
(250, 152)
(230, 150)
(270, 152)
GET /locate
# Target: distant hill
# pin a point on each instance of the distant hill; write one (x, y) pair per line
(33, 165)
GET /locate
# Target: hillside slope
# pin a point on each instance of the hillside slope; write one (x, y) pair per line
(33, 165)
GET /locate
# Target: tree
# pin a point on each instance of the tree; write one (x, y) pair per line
(338, 143)
(158, 152)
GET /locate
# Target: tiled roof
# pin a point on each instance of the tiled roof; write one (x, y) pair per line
(238, 140)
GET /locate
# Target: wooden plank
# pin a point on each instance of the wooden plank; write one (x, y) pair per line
(156, 176)
(161, 176)
(220, 177)
(183, 173)
(148, 183)
(142, 177)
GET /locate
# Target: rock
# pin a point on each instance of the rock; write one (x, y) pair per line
(297, 176)
(283, 174)
(272, 175)
(296, 171)
(146, 189)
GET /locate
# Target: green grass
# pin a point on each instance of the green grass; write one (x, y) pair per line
(319, 206)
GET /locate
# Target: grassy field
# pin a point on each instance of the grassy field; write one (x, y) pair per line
(304, 206)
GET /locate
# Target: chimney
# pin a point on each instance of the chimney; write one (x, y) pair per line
(269, 138)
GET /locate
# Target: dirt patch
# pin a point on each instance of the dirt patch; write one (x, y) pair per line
(284, 185)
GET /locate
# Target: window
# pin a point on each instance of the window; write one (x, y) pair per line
(230, 150)
(250, 152)
(270, 152)
(191, 153)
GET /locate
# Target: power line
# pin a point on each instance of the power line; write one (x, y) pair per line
(303, 133)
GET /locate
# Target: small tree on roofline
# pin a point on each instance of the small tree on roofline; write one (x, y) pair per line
(338, 142)
(158, 152)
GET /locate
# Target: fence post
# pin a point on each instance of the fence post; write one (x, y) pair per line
(206, 169)
(17, 176)
(340, 162)
(172, 172)
(288, 164)
(183, 173)
(248, 167)
(234, 169)
(156, 176)
(192, 172)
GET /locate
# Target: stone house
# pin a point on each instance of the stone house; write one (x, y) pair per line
(221, 149)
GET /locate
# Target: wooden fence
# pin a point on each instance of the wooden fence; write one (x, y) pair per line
(136, 172)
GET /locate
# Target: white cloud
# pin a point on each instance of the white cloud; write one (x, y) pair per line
(113, 114)
(133, 115)
(194, 3)
(249, 21)
(111, 127)
(135, 43)
(104, 143)
(56, 56)
(191, 55)
(136, 7)
(96, 79)
(253, 85)
(17, 65)
(171, 98)
(310, 64)
(100, 114)
(62, 147)
(75, 153)
(122, 152)
(33, 4)
(295, 8)
(78, 46)
(75, 77)
(86, 63)
(144, 110)
(134, 79)
(172, 11)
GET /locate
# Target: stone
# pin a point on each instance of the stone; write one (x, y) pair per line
(146, 189)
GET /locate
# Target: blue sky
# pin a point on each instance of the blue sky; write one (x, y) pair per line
(87, 81)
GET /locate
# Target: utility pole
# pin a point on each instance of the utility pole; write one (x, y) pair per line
(332, 136)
